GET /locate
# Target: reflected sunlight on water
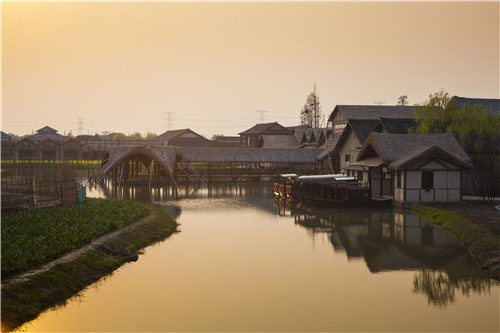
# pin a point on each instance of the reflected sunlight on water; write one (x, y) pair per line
(244, 262)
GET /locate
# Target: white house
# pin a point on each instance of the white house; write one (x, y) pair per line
(423, 167)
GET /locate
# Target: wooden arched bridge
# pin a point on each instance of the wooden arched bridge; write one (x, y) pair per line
(134, 165)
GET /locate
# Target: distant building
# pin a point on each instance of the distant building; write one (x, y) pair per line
(341, 114)
(269, 135)
(350, 125)
(228, 141)
(414, 168)
(47, 144)
(45, 133)
(183, 138)
(490, 103)
(7, 146)
(308, 137)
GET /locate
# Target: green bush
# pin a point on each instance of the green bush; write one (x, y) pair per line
(31, 238)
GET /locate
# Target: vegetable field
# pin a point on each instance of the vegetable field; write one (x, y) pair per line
(31, 238)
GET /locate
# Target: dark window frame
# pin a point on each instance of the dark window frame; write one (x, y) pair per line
(427, 180)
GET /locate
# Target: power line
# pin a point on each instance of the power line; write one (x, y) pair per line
(80, 126)
(261, 117)
(169, 119)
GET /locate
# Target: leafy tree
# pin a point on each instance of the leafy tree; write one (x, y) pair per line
(135, 136)
(402, 100)
(215, 136)
(150, 136)
(477, 130)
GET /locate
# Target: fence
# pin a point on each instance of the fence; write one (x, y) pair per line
(28, 186)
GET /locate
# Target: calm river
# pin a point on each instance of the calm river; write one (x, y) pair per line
(243, 262)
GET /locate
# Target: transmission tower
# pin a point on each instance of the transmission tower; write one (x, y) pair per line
(80, 126)
(261, 117)
(169, 119)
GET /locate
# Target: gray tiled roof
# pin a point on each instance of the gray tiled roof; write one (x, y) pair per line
(373, 111)
(402, 150)
(492, 104)
(267, 128)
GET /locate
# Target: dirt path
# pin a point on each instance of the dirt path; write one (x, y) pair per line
(78, 252)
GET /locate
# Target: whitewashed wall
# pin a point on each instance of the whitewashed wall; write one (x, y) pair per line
(446, 187)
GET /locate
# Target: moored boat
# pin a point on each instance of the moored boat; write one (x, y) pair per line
(284, 186)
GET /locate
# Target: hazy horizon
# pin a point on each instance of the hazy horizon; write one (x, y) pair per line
(121, 66)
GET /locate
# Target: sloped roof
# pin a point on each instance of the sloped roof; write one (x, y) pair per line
(169, 135)
(362, 128)
(301, 132)
(280, 141)
(222, 138)
(5, 136)
(397, 126)
(492, 104)
(399, 151)
(373, 111)
(249, 155)
(167, 155)
(46, 129)
(46, 133)
(191, 142)
(269, 129)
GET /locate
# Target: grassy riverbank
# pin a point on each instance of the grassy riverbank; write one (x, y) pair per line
(31, 238)
(25, 300)
(482, 243)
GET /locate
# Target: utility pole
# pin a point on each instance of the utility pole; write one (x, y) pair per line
(315, 108)
(261, 117)
(80, 126)
(169, 119)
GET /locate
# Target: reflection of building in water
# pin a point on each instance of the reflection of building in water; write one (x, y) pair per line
(386, 239)
(258, 192)
(397, 240)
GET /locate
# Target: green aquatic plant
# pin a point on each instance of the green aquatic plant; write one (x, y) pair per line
(31, 238)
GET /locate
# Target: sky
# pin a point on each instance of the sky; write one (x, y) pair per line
(122, 66)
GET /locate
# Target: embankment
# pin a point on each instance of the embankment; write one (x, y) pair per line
(25, 297)
(481, 242)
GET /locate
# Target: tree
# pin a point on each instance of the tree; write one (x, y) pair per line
(477, 130)
(311, 112)
(402, 100)
(215, 136)
(135, 136)
(150, 136)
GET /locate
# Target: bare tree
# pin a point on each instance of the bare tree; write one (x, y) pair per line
(311, 112)
(403, 100)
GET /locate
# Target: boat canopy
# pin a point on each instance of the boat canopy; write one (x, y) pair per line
(322, 178)
(288, 175)
(318, 177)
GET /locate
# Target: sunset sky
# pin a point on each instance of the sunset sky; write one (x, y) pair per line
(120, 66)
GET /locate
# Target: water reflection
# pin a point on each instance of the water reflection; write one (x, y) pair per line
(391, 240)
(386, 239)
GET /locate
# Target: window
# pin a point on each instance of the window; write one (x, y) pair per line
(347, 157)
(359, 175)
(398, 175)
(427, 180)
